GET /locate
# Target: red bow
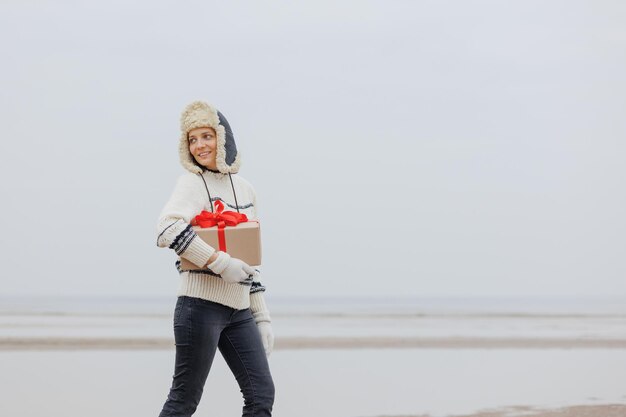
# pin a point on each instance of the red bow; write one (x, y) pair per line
(221, 219)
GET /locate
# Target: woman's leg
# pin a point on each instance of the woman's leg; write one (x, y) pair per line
(242, 348)
(197, 327)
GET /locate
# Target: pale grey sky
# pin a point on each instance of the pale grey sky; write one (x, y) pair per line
(451, 148)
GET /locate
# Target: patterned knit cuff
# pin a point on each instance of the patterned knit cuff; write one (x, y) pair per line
(259, 309)
(198, 252)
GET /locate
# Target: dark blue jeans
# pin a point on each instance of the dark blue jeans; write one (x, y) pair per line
(200, 328)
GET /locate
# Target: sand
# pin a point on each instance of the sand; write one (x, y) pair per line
(291, 343)
(604, 410)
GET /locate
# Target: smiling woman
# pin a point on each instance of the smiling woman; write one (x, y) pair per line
(220, 303)
(202, 144)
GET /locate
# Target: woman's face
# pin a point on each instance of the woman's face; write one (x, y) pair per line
(202, 144)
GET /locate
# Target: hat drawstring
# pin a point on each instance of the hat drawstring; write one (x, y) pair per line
(207, 191)
(234, 193)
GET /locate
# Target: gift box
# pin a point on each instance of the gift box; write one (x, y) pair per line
(228, 232)
(242, 241)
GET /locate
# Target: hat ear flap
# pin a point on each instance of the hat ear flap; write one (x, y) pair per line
(228, 159)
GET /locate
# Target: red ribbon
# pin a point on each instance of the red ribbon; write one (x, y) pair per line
(221, 219)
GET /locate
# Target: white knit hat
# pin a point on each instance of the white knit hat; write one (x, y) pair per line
(201, 114)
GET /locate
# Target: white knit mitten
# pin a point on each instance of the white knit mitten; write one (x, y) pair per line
(232, 270)
(267, 336)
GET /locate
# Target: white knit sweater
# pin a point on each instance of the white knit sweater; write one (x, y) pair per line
(189, 198)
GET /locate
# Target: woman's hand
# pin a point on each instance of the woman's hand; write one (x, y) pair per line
(267, 336)
(232, 270)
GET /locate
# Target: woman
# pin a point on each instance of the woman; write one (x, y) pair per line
(221, 306)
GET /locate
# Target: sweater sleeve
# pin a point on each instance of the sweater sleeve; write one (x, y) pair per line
(258, 306)
(173, 228)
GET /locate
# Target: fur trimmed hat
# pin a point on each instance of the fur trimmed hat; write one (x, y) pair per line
(201, 114)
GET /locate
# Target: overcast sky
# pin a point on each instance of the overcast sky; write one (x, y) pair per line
(398, 148)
